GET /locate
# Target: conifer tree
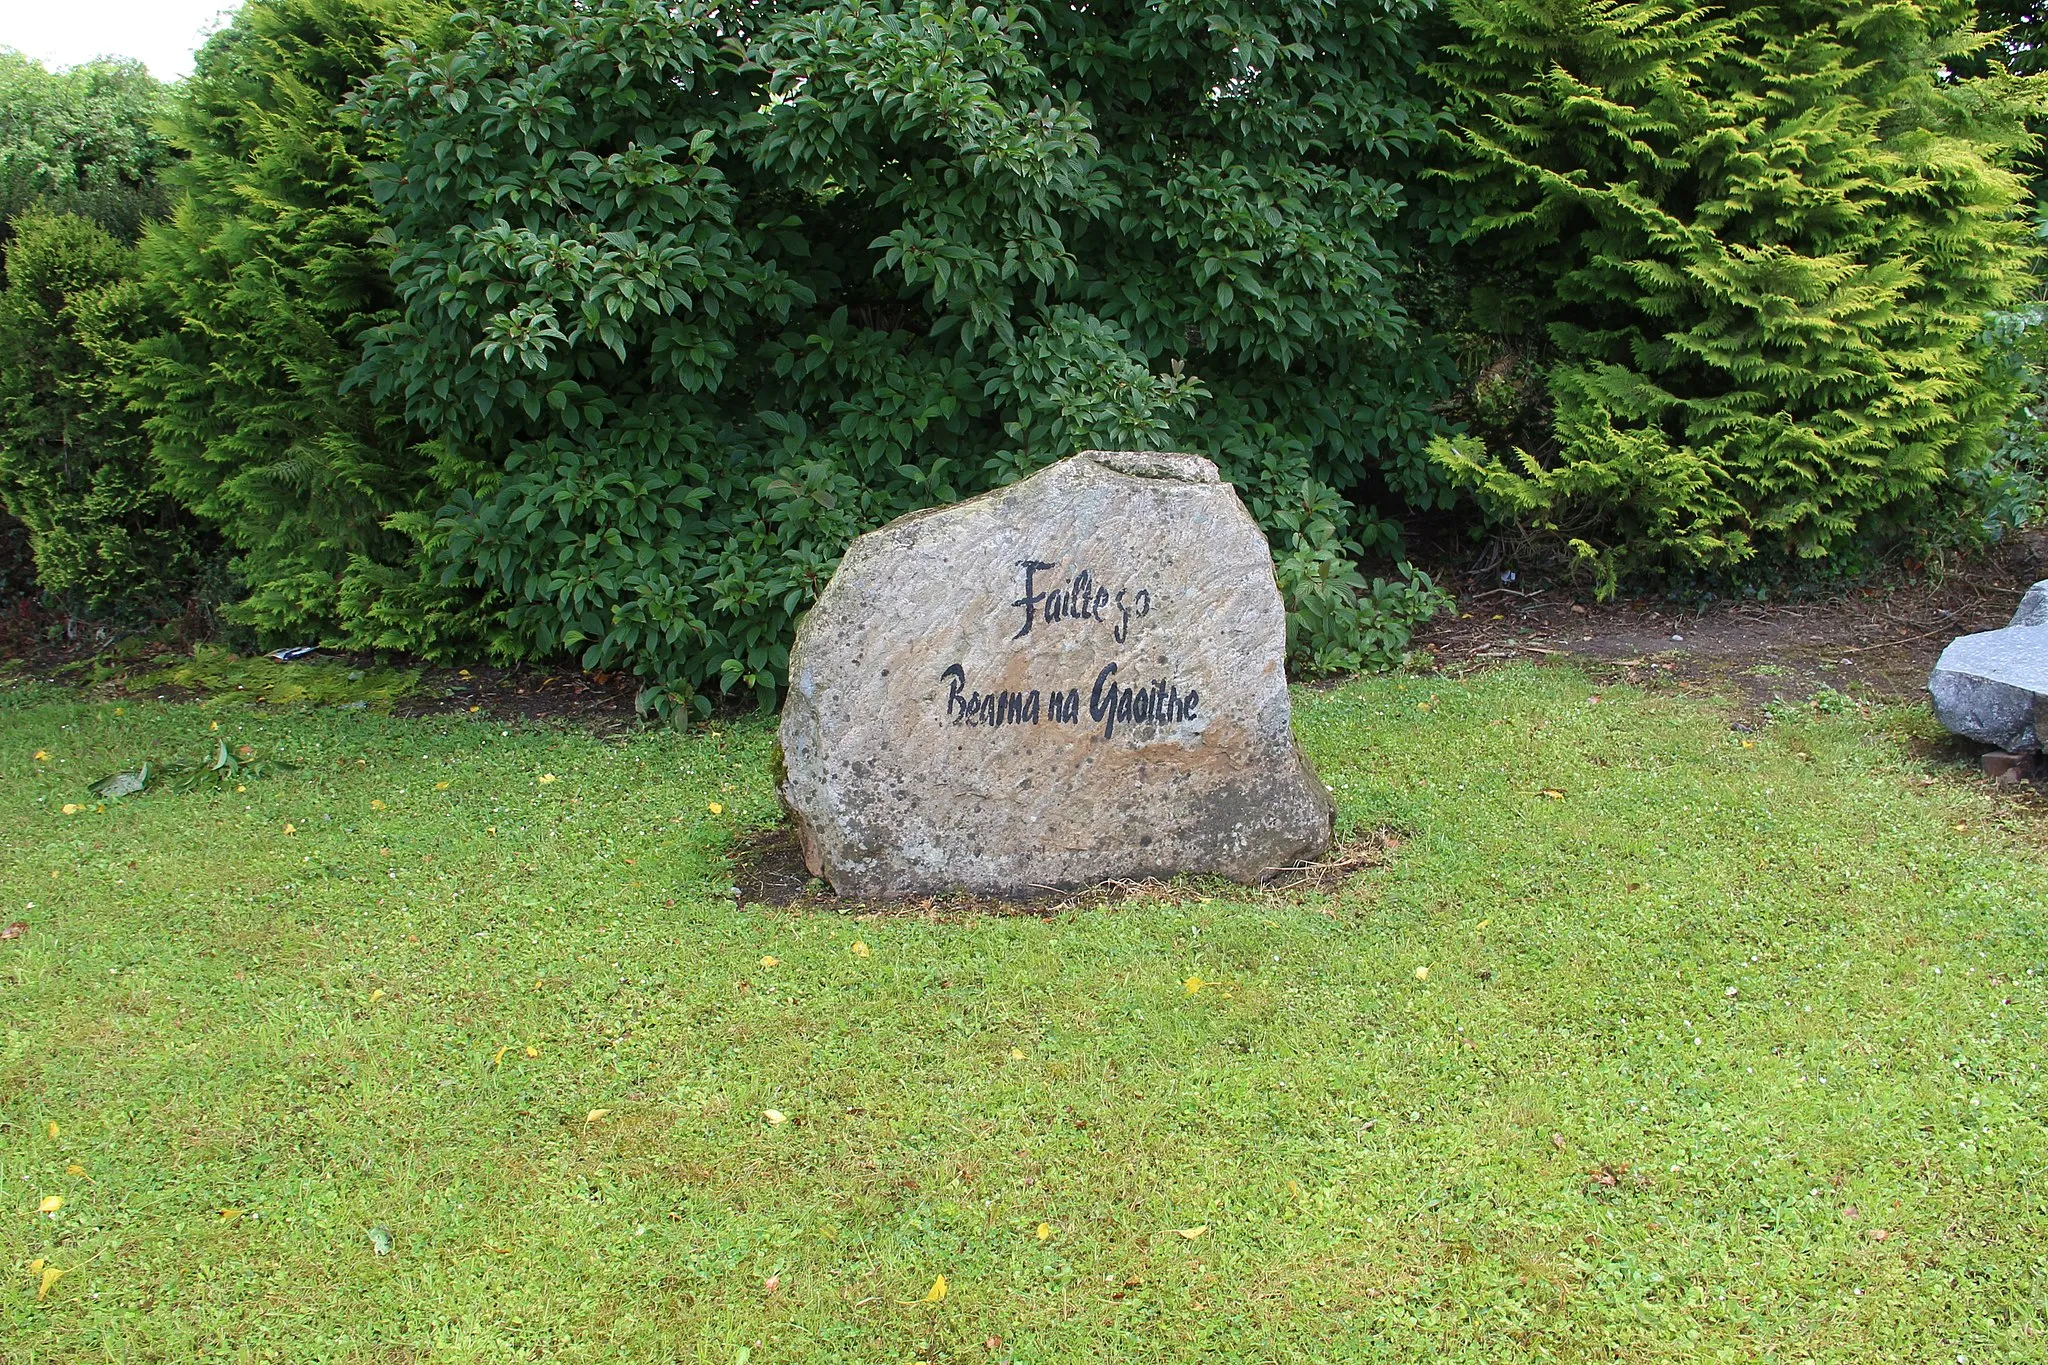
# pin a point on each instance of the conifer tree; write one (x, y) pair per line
(270, 272)
(1762, 240)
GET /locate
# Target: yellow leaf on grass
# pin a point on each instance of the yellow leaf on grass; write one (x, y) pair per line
(1422, 973)
(594, 1115)
(1553, 793)
(1193, 984)
(937, 1293)
(51, 1274)
(771, 961)
(74, 1169)
(532, 1051)
(376, 805)
(71, 809)
(499, 1060)
(1192, 1233)
(290, 828)
(776, 1118)
(714, 808)
(546, 778)
(42, 757)
(1016, 1054)
(1044, 1231)
(376, 995)
(51, 1203)
(1482, 924)
(230, 1215)
(52, 1128)
(440, 786)
(860, 949)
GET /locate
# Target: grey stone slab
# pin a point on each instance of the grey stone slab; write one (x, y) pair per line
(1984, 685)
(1077, 678)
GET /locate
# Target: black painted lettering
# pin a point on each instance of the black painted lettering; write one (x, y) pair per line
(957, 676)
(1030, 600)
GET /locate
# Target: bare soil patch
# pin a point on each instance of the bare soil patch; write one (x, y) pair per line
(1872, 643)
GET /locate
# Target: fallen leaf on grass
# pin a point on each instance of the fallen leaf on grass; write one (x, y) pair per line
(75, 1169)
(546, 778)
(376, 805)
(1879, 1234)
(1016, 1054)
(376, 995)
(51, 1203)
(1192, 1233)
(714, 808)
(499, 1060)
(440, 786)
(50, 1275)
(771, 961)
(776, 1118)
(1044, 1231)
(1194, 984)
(532, 1051)
(1553, 793)
(15, 930)
(71, 808)
(860, 949)
(937, 1293)
(1422, 973)
(594, 1115)
(772, 1283)
(53, 1129)
(230, 1215)
(42, 756)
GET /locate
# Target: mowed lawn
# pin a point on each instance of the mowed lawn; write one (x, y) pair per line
(1653, 1041)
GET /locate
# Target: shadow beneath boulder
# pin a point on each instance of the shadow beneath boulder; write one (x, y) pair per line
(768, 870)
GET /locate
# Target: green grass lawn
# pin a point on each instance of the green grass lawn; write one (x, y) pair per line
(1728, 1049)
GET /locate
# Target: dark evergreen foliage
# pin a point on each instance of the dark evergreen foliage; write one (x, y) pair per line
(694, 295)
(74, 463)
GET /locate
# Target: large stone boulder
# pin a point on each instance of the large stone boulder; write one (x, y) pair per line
(1077, 678)
(1988, 686)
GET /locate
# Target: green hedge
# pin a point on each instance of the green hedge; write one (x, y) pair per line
(598, 328)
(687, 308)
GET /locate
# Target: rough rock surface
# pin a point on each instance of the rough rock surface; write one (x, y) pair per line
(1076, 678)
(1988, 686)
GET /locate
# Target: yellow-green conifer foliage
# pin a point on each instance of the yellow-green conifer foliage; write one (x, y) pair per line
(1762, 240)
(272, 267)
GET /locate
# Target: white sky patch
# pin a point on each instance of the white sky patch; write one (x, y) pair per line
(162, 34)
